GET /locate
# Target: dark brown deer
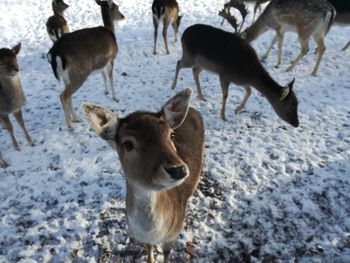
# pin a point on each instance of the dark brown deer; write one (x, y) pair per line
(234, 60)
(12, 97)
(168, 11)
(76, 55)
(161, 155)
(343, 15)
(57, 25)
(312, 18)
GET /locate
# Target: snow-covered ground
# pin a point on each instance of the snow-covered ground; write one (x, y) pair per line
(270, 193)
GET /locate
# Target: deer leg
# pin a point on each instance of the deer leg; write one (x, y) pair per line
(19, 117)
(165, 34)
(166, 250)
(111, 79)
(3, 164)
(8, 125)
(346, 46)
(274, 40)
(75, 117)
(150, 257)
(224, 86)
(175, 27)
(279, 36)
(156, 24)
(321, 49)
(248, 91)
(304, 43)
(104, 75)
(196, 71)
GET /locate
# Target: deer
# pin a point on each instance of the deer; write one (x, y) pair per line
(168, 11)
(234, 60)
(12, 97)
(161, 155)
(56, 25)
(343, 15)
(306, 18)
(76, 55)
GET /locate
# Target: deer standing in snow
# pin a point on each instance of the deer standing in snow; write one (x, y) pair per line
(234, 60)
(161, 155)
(76, 55)
(312, 18)
(12, 97)
(168, 11)
(56, 25)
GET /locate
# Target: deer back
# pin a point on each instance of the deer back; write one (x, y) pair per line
(84, 51)
(11, 93)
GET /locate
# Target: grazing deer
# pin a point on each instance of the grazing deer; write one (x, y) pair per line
(12, 97)
(161, 155)
(56, 25)
(76, 55)
(343, 15)
(306, 18)
(168, 10)
(234, 60)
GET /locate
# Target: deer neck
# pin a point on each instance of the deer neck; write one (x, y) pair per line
(57, 12)
(150, 214)
(256, 29)
(107, 18)
(267, 86)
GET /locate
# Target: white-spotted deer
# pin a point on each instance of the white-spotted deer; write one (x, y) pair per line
(12, 97)
(343, 15)
(57, 25)
(234, 60)
(168, 11)
(161, 155)
(76, 55)
(312, 18)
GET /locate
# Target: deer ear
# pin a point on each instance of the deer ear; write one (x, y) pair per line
(291, 84)
(175, 110)
(16, 48)
(102, 121)
(98, 2)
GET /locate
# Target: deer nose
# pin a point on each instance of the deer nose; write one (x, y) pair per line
(16, 69)
(177, 173)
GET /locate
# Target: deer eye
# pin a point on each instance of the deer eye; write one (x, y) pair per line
(128, 146)
(172, 136)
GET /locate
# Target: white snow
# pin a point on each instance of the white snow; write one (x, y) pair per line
(271, 193)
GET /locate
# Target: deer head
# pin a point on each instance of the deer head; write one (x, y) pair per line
(8, 61)
(145, 142)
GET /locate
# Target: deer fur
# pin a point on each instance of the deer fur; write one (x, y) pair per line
(168, 11)
(312, 18)
(343, 15)
(76, 55)
(234, 60)
(12, 97)
(57, 25)
(161, 155)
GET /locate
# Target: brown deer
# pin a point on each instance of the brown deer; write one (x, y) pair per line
(161, 155)
(76, 55)
(234, 60)
(12, 97)
(343, 15)
(168, 10)
(306, 18)
(56, 25)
